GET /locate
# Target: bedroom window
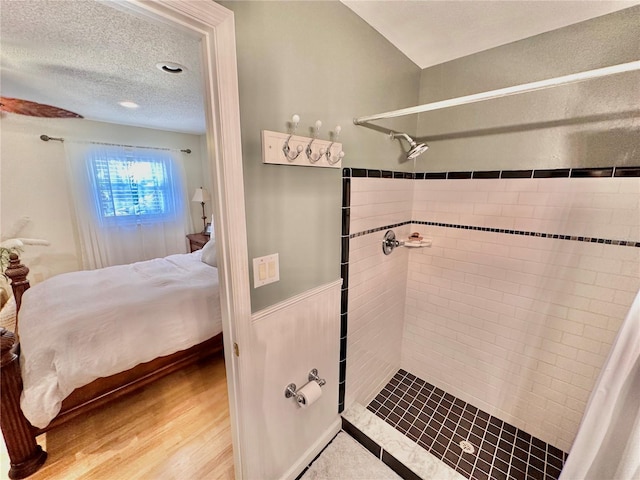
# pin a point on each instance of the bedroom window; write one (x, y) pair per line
(130, 202)
(131, 189)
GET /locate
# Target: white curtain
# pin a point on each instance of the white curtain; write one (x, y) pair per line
(111, 234)
(608, 442)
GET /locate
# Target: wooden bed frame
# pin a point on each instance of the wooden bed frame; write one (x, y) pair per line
(25, 455)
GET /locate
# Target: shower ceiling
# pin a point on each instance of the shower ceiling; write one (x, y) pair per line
(430, 32)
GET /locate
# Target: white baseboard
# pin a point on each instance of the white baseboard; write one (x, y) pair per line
(314, 450)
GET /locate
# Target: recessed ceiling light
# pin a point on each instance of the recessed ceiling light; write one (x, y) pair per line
(128, 104)
(170, 67)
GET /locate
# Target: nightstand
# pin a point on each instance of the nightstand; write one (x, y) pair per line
(197, 241)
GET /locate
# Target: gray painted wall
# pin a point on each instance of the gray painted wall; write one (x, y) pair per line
(321, 61)
(590, 124)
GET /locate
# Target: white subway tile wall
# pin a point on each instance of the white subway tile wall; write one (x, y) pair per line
(516, 325)
(520, 326)
(379, 201)
(589, 207)
(377, 286)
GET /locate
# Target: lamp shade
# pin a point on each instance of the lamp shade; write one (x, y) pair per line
(201, 195)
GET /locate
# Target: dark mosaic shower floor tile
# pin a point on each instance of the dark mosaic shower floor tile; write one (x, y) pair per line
(438, 422)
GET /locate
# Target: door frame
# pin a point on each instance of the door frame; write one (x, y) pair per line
(216, 27)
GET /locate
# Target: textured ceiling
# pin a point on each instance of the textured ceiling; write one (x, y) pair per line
(87, 56)
(430, 32)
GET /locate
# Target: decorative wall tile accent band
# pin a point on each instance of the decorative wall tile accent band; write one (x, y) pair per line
(379, 229)
(555, 173)
(344, 298)
(576, 238)
(601, 172)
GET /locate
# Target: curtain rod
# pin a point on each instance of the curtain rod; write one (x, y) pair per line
(46, 138)
(504, 92)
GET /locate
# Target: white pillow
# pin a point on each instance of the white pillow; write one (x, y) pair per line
(8, 315)
(209, 253)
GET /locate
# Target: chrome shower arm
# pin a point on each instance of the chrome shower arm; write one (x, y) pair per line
(393, 136)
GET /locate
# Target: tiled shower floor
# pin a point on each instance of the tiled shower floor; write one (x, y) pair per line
(438, 422)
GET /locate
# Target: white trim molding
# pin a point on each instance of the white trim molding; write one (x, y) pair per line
(215, 25)
(262, 314)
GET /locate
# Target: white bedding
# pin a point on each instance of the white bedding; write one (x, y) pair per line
(80, 326)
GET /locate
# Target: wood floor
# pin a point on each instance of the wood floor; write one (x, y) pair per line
(175, 429)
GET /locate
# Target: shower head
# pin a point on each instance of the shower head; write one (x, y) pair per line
(415, 149)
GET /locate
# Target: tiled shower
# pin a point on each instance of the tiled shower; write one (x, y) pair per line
(507, 317)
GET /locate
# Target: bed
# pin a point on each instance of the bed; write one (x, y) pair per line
(88, 337)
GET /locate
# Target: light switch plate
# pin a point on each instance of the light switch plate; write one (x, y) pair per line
(266, 270)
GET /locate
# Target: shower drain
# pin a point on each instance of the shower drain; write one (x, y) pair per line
(466, 447)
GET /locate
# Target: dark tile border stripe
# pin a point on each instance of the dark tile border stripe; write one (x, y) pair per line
(459, 175)
(393, 463)
(361, 437)
(316, 457)
(627, 172)
(591, 172)
(598, 172)
(485, 175)
(379, 229)
(344, 293)
(397, 466)
(435, 176)
(575, 238)
(554, 173)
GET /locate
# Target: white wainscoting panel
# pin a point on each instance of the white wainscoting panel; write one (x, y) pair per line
(289, 339)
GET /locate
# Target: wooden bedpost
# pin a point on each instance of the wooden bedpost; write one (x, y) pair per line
(25, 455)
(17, 273)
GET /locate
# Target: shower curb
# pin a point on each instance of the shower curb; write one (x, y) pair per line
(389, 460)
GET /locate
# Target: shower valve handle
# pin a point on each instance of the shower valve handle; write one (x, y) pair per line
(389, 242)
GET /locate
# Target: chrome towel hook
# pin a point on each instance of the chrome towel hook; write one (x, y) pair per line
(285, 148)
